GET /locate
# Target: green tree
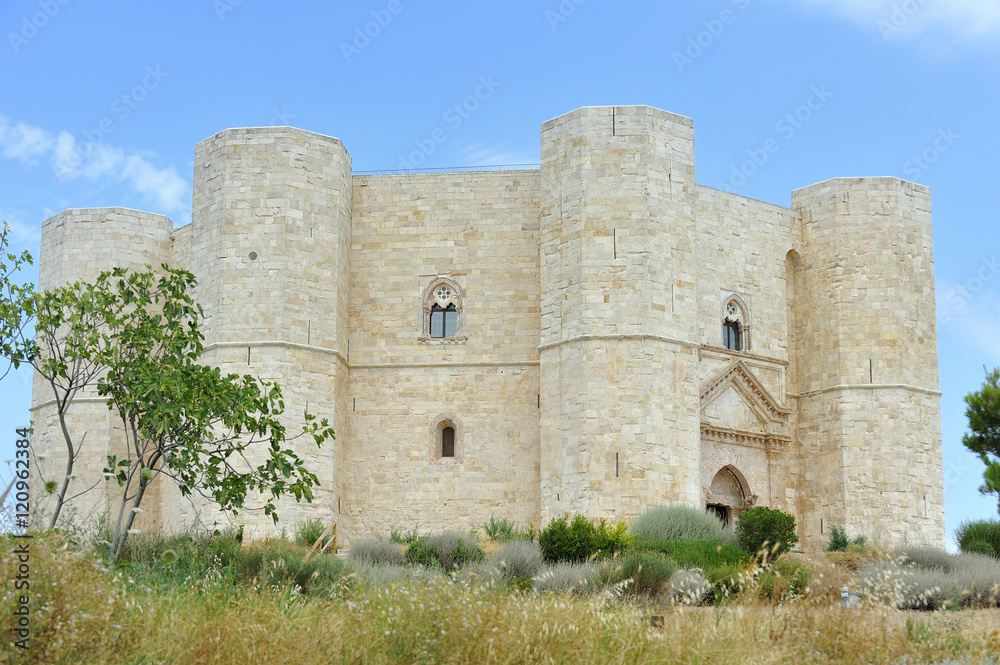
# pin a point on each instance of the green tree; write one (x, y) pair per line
(983, 413)
(185, 420)
(16, 304)
(135, 337)
(760, 526)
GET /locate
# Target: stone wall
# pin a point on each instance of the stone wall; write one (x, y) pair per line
(589, 373)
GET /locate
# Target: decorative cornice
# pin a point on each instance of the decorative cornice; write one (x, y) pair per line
(758, 440)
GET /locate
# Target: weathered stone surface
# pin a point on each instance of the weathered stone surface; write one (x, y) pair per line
(589, 372)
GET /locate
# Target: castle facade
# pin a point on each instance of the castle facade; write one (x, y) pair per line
(596, 336)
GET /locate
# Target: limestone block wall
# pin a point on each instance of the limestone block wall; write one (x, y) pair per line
(269, 243)
(480, 230)
(742, 248)
(79, 244)
(590, 296)
(619, 425)
(867, 352)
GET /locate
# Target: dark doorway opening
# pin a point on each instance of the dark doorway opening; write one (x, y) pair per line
(722, 512)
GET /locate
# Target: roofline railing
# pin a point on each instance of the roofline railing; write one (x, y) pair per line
(454, 169)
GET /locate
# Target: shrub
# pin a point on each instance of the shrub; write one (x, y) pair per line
(784, 580)
(967, 580)
(446, 550)
(667, 523)
(979, 537)
(275, 564)
(311, 530)
(403, 537)
(650, 572)
(504, 530)
(568, 541)
(519, 558)
(927, 557)
(760, 525)
(704, 554)
(611, 539)
(688, 587)
(377, 553)
(838, 540)
(565, 577)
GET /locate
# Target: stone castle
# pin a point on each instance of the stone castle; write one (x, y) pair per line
(595, 336)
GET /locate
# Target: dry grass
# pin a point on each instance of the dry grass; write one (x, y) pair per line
(82, 613)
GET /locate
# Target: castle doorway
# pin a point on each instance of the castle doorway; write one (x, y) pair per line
(727, 496)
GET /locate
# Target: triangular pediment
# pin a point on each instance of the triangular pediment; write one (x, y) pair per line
(731, 391)
(730, 409)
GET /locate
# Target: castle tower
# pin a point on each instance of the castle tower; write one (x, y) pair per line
(866, 345)
(619, 395)
(79, 244)
(270, 245)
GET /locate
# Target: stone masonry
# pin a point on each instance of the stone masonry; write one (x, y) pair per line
(588, 372)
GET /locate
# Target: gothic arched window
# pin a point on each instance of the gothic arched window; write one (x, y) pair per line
(442, 311)
(735, 324)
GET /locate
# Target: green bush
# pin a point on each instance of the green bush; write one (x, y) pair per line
(504, 530)
(784, 580)
(446, 550)
(568, 541)
(979, 537)
(403, 537)
(666, 523)
(650, 572)
(309, 531)
(760, 525)
(612, 539)
(838, 539)
(704, 554)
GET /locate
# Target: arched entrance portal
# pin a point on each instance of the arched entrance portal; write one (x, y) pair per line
(727, 495)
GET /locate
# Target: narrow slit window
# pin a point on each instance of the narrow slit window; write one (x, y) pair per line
(448, 442)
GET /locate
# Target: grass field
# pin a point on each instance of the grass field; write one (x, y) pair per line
(190, 613)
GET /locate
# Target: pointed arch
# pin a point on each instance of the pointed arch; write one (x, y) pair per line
(735, 323)
(442, 311)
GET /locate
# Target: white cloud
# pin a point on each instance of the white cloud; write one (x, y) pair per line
(21, 234)
(70, 160)
(164, 185)
(22, 141)
(965, 22)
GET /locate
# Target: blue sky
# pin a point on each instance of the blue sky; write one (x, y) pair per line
(102, 104)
